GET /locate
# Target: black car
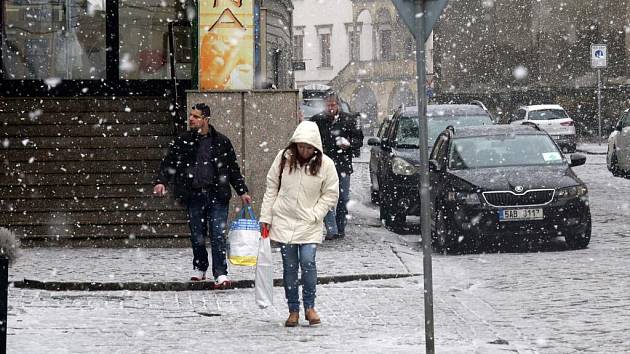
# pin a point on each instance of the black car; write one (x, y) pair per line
(506, 183)
(395, 157)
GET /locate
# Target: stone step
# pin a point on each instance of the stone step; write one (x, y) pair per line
(69, 130)
(77, 179)
(26, 218)
(86, 104)
(81, 192)
(60, 232)
(82, 154)
(100, 142)
(84, 118)
(89, 204)
(44, 167)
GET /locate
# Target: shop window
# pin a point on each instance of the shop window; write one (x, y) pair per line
(53, 40)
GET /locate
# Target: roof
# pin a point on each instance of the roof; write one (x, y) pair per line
(497, 129)
(436, 110)
(538, 107)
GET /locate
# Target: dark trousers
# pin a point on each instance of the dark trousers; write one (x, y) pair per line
(206, 218)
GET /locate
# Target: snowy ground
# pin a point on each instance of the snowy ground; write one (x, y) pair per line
(550, 300)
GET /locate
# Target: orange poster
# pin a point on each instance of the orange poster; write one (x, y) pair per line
(226, 50)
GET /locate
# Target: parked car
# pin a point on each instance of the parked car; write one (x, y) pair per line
(394, 171)
(551, 118)
(375, 157)
(618, 156)
(506, 183)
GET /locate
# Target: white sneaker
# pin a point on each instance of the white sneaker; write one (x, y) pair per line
(198, 275)
(222, 282)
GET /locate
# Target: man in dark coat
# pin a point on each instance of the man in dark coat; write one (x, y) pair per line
(203, 164)
(342, 139)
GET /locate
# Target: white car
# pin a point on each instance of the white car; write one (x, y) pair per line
(618, 157)
(551, 118)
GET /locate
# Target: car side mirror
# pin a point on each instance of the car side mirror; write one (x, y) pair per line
(434, 166)
(577, 159)
(374, 141)
(619, 127)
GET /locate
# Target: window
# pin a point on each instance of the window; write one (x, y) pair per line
(386, 45)
(298, 47)
(354, 40)
(66, 41)
(324, 45)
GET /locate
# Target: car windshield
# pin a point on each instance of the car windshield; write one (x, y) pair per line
(547, 114)
(407, 134)
(498, 151)
(312, 108)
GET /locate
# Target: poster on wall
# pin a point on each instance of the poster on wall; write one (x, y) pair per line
(226, 50)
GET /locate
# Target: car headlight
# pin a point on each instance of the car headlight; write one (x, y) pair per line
(404, 168)
(572, 192)
(465, 197)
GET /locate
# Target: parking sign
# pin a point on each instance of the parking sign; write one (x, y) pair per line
(598, 56)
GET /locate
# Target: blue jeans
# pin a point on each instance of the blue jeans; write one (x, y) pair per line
(303, 256)
(335, 221)
(204, 214)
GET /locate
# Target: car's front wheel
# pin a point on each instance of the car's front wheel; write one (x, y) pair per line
(393, 218)
(613, 167)
(580, 240)
(441, 233)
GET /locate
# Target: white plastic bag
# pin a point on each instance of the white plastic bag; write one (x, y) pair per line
(264, 275)
(243, 239)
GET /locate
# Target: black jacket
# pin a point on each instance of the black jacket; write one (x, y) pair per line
(182, 155)
(344, 126)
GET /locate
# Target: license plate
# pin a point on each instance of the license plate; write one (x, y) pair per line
(520, 214)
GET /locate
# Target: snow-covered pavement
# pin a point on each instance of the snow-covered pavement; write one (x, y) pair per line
(550, 300)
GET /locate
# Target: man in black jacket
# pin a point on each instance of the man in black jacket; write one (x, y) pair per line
(203, 164)
(342, 139)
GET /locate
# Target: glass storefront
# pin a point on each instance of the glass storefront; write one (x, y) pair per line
(115, 45)
(54, 40)
(144, 39)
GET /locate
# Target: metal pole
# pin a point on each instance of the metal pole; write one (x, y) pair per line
(4, 284)
(425, 200)
(599, 103)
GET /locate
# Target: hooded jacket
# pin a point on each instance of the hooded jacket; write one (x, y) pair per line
(295, 205)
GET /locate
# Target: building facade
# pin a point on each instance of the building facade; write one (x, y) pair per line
(322, 34)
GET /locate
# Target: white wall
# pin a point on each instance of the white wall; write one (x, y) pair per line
(311, 13)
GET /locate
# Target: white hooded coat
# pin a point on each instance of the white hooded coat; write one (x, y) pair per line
(297, 209)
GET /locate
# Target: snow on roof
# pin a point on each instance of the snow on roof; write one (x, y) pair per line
(538, 107)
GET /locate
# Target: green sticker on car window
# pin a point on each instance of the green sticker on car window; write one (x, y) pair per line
(551, 156)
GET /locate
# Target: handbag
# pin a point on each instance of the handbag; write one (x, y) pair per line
(263, 282)
(243, 239)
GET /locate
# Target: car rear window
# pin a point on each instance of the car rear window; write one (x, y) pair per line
(547, 114)
(497, 151)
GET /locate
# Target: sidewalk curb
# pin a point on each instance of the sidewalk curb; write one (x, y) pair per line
(591, 152)
(184, 286)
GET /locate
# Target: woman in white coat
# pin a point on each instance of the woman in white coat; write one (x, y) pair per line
(302, 186)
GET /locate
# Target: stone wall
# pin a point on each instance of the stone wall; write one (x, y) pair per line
(259, 123)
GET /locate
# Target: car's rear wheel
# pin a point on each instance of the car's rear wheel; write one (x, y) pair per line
(580, 240)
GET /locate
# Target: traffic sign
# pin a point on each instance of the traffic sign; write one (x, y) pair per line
(599, 55)
(432, 11)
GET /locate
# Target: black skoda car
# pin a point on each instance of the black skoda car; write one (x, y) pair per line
(505, 183)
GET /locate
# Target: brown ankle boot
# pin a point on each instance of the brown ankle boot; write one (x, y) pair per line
(293, 320)
(312, 317)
